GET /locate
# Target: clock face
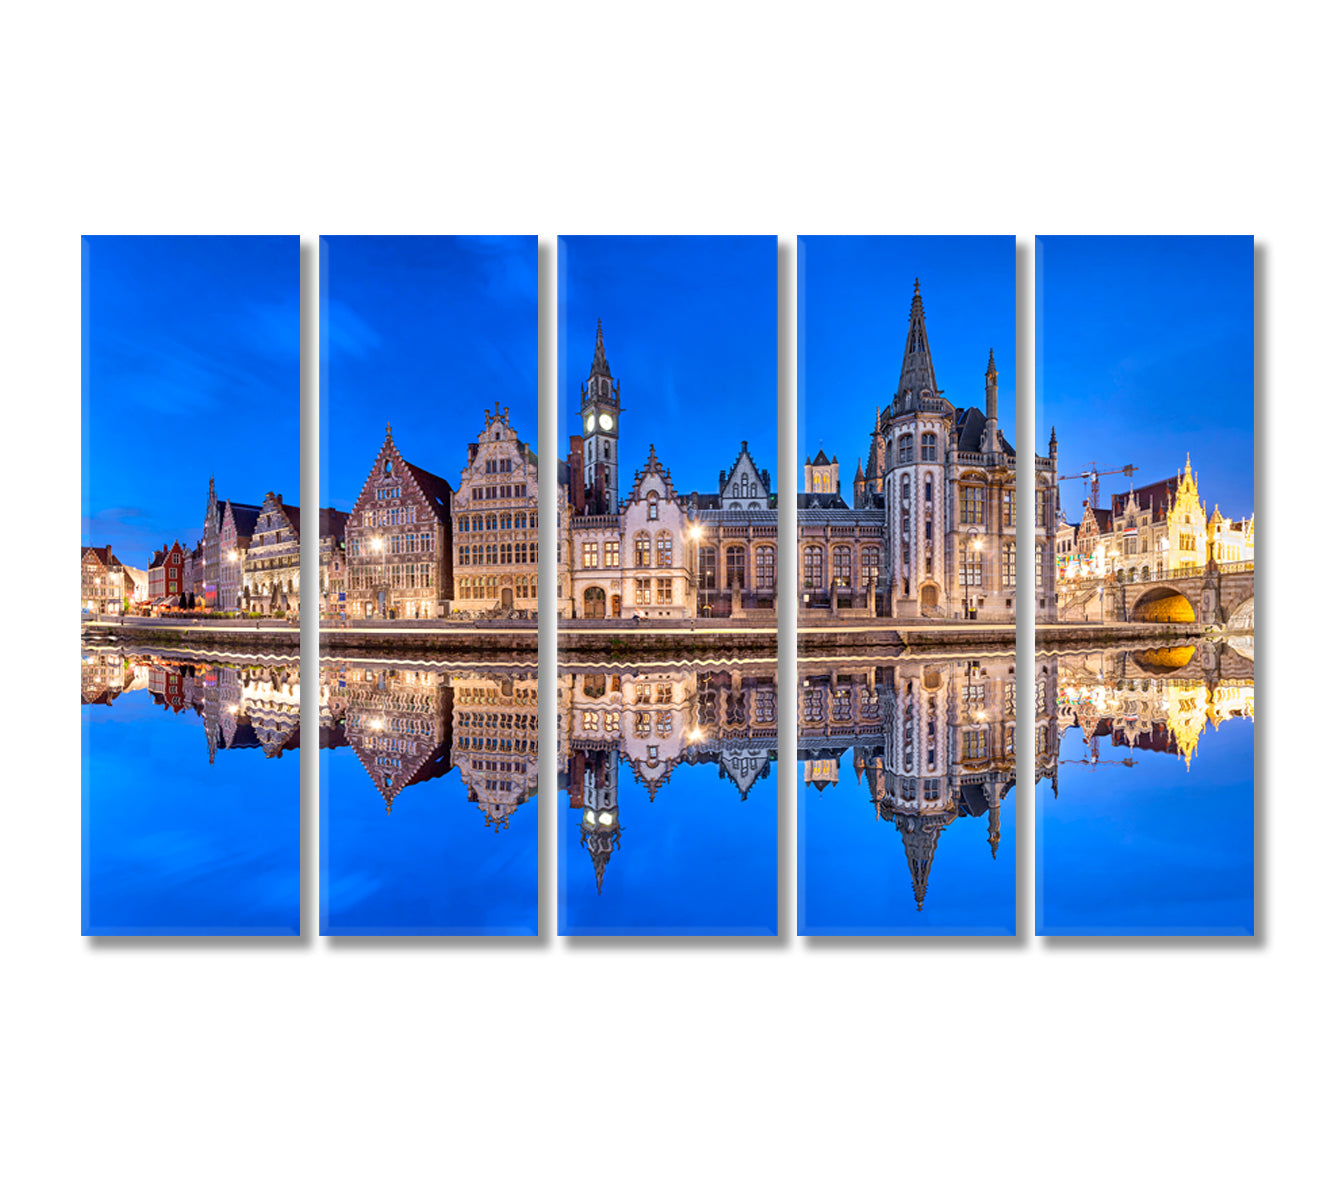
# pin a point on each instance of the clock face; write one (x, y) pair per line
(588, 424)
(605, 420)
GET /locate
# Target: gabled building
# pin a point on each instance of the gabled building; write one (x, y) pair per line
(272, 578)
(333, 562)
(400, 541)
(166, 576)
(236, 533)
(495, 523)
(101, 581)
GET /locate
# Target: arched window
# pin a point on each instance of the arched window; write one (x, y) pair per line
(764, 568)
(643, 550)
(906, 490)
(928, 447)
(905, 448)
(842, 564)
(813, 567)
(736, 566)
(664, 549)
(870, 565)
(708, 567)
(653, 506)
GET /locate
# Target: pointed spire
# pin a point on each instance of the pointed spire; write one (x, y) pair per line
(600, 366)
(991, 361)
(917, 374)
(857, 478)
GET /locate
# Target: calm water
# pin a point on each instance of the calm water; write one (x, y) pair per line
(906, 797)
(429, 818)
(1145, 799)
(668, 802)
(191, 797)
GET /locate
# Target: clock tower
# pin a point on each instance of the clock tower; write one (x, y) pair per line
(600, 415)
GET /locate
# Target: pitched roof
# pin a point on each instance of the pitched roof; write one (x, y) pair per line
(821, 459)
(103, 555)
(333, 522)
(820, 500)
(436, 490)
(1153, 498)
(970, 424)
(244, 517)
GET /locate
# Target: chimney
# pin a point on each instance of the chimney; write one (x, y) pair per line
(600, 488)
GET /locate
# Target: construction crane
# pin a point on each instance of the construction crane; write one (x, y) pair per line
(1093, 471)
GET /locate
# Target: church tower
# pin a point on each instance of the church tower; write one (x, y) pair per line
(600, 414)
(600, 828)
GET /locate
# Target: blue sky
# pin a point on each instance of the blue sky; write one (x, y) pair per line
(174, 844)
(690, 327)
(426, 334)
(695, 859)
(1146, 352)
(191, 365)
(1154, 848)
(854, 876)
(854, 294)
(431, 866)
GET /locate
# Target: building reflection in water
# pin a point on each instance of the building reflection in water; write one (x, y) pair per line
(1154, 699)
(409, 724)
(654, 721)
(930, 740)
(1146, 818)
(405, 724)
(243, 706)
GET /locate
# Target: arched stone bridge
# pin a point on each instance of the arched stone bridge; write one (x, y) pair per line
(1218, 595)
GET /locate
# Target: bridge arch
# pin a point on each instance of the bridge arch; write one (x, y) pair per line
(1163, 606)
(1242, 617)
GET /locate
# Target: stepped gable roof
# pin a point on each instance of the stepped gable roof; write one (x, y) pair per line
(1102, 517)
(744, 452)
(969, 425)
(436, 490)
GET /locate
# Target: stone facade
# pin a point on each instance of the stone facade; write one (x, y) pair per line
(234, 538)
(272, 579)
(495, 523)
(944, 479)
(400, 541)
(102, 581)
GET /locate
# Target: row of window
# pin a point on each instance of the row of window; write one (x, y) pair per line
(489, 587)
(372, 517)
(400, 575)
(497, 554)
(499, 466)
(647, 593)
(492, 521)
(500, 491)
(394, 543)
(841, 562)
(735, 567)
(928, 448)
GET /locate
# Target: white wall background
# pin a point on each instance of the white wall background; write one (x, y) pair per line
(910, 1069)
